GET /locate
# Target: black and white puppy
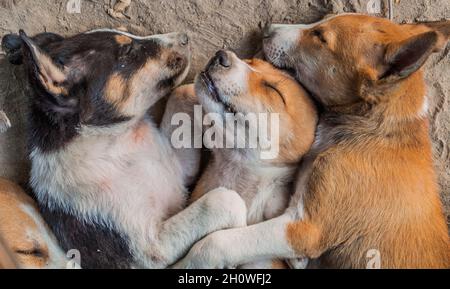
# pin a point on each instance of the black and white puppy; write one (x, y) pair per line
(106, 178)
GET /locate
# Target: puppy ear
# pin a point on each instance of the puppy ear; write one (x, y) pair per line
(12, 46)
(406, 57)
(49, 75)
(442, 28)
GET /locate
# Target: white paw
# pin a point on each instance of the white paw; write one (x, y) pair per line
(229, 205)
(208, 253)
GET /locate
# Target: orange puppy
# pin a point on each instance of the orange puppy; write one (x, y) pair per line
(238, 90)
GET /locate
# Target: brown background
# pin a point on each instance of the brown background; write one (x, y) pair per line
(212, 24)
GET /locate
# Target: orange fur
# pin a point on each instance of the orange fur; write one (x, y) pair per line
(116, 91)
(16, 223)
(278, 264)
(373, 186)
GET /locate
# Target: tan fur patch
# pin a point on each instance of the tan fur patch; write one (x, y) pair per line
(279, 264)
(50, 75)
(116, 91)
(123, 39)
(304, 237)
(140, 133)
(52, 87)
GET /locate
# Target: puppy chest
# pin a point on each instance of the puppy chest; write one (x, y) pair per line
(116, 178)
(268, 201)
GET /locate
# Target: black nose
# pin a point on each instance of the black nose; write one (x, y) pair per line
(184, 39)
(223, 59)
(11, 42)
(11, 45)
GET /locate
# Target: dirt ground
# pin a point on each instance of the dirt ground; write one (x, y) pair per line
(212, 24)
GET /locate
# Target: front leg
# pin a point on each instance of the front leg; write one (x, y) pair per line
(267, 240)
(181, 106)
(217, 210)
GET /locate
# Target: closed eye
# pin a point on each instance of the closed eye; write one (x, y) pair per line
(127, 50)
(319, 34)
(276, 90)
(36, 252)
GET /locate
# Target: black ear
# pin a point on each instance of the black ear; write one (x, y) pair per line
(406, 57)
(12, 46)
(442, 28)
(49, 75)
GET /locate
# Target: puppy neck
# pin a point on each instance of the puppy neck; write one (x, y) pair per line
(395, 112)
(253, 165)
(405, 101)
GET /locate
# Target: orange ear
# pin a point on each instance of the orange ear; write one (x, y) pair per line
(406, 57)
(443, 30)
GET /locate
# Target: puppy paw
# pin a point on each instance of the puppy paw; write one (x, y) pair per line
(208, 253)
(228, 207)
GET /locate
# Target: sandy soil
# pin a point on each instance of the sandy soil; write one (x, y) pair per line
(212, 24)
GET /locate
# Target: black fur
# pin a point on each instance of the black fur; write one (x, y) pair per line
(100, 247)
(55, 119)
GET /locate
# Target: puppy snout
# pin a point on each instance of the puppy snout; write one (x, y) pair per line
(11, 42)
(268, 31)
(176, 40)
(222, 59)
(183, 39)
(11, 45)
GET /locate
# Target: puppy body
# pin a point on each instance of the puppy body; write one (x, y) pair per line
(265, 185)
(266, 190)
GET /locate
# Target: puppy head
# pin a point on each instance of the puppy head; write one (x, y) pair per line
(231, 86)
(101, 77)
(24, 232)
(346, 57)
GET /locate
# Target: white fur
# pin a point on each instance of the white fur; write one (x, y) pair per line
(133, 187)
(271, 195)
(285, 36)
(423, 112)
(155, 36)
(107, 175)
(255, 243)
